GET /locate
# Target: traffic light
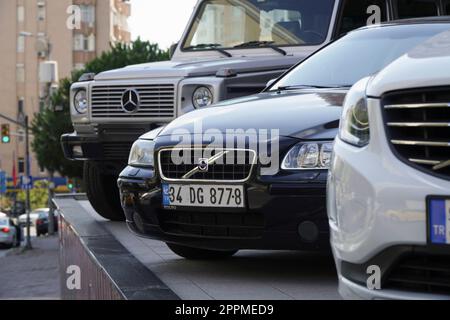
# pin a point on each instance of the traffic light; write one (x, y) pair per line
(70, 184)
(6, 135)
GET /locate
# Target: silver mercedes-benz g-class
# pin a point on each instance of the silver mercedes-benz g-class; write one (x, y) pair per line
(231, 48)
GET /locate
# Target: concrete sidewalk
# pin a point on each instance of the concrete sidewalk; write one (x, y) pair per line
(32, 274)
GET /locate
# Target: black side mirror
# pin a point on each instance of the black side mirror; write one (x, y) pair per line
(172, 50)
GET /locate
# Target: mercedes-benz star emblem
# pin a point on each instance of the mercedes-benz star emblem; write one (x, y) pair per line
(130, 101)
(203, 165)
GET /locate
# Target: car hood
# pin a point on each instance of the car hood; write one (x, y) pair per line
(180, 69)
(302, 114)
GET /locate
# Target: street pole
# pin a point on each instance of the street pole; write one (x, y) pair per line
(25, 125)
(51, 214)
(28, 245)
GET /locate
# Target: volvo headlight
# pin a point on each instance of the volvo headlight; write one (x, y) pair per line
(141, 153)
(309, 155)
(80, 101)
(202, 97)
(354, 127)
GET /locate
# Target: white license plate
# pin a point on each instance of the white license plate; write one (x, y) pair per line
(208, 196)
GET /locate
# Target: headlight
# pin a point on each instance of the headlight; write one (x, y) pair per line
(80, 101)
(141, 153)
(354, 127)
(310, 155)
(202, 97)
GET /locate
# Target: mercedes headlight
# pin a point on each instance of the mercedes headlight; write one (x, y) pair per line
(309, 155)
(80, 101)
(141, 154)
(354, 128)
(202, 97)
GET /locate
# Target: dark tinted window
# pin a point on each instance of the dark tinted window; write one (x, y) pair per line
(359, 13)
(417, 8)
(447, 8)
(359, 54)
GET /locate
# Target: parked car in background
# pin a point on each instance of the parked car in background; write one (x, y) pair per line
(389, 186)
(42, 223)
(218, 197)
(9, 235)
(34, 215)
(211, 63)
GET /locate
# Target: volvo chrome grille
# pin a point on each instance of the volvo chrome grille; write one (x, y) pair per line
(133, 101)
(418, 128)
(185, 164)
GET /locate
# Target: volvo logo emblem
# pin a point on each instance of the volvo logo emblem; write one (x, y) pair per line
(203, 165)
(130, 101)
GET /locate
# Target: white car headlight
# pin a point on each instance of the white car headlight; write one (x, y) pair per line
(355, 128)
(141, 153)
(202, 97)
(80, 101)
(309, 155)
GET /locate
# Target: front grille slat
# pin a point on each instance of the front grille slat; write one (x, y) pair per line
(156, 101)
(417, 126)
(234, 166)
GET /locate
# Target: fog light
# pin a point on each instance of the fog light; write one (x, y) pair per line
(308, 231)
(77, 151)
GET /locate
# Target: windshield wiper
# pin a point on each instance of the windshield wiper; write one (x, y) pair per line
(212, 46)
(297, 87)
(261, 44)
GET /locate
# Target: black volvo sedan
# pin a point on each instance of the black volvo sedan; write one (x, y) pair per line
(251, 173)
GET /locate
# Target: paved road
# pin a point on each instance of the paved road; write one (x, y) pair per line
(257, 275)
(33, 274)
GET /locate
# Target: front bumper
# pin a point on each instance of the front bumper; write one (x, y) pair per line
(274, 213)
(105, 143)
(377, 210)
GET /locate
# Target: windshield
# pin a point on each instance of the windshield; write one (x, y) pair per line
(230, 23)
(360, 54)
(3, 222)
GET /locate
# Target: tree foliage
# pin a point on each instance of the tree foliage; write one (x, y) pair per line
(48, 125)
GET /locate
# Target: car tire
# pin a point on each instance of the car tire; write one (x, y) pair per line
(102, 192)
(200, 254)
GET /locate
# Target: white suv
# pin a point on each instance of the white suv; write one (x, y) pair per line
(389, 186)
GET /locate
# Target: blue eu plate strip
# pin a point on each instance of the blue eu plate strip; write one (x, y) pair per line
(438, 221)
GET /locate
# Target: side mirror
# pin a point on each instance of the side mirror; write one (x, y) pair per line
(172, 50)
(270, 82)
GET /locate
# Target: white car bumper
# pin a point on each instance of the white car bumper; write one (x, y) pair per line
(376, 202)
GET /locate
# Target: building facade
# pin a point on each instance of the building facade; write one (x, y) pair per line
(69, 33)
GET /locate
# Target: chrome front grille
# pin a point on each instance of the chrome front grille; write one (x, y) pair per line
(418, 128)
(231, 165)
(156, 101)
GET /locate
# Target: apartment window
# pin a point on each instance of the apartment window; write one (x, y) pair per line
(41, 11)
(20, 44)
(88, 14)
(84, 43)
(91, 43)
(21, 165)
(78, 42)
(20, 106)
(20, 13)
(20, 73)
